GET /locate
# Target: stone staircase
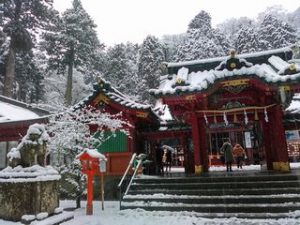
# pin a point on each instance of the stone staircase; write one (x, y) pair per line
(238, 194)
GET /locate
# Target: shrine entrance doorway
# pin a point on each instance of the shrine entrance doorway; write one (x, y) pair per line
(249, 136)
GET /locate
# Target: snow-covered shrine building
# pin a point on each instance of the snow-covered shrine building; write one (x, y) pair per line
(250, 99)
(244, 98)
(119, 148)
(15, 119)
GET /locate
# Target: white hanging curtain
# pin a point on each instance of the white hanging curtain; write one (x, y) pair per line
(205, 118)
(246, 117)
(266, 115)
(225, 119)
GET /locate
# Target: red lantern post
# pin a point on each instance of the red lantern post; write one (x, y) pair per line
(90, 159)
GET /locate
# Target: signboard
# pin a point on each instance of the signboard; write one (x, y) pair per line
(248, 139)
(102, 166)
(292, 135)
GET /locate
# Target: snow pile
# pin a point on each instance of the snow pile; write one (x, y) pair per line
(42, 215)
(28, 174)
(9, 112)
(92, 153)
(278, 63)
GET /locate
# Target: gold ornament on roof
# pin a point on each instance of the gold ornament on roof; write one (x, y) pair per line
(232, 65)
(292, 66)
(232, 53)
(179, 81)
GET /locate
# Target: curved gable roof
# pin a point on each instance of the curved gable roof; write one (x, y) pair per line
(273, 70)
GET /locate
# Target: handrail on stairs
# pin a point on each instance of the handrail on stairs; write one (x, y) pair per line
(140, 158)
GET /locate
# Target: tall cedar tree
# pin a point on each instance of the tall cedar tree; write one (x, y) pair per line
(121, 68)
(151, 56)
(21, 21)
(73, 44)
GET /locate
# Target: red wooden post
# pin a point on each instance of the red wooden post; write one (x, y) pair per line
(196, 143)
(89, 204)
(281, 161)
(90, 159)
(267, 143)
(203, 145)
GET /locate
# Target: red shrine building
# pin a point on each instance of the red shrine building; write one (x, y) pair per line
(243, 98)
(250, 99)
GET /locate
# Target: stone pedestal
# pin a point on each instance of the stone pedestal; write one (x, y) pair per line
(28, 191)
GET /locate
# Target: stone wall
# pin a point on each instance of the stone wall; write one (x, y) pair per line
(27, 198)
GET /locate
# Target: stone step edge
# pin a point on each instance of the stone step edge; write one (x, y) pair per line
(174, 196)
(138, 204)
(262, 215)
(215, 183)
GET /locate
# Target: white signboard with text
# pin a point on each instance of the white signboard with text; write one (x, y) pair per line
(248, 140)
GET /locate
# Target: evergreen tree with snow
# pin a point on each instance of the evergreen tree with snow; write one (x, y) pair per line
(121, 67)
(171, 43)
(151, 56)
(202, 40)
(22, 21)
(73, 45)
(294, 19)
(29, 78)
(231, 27)
(247, 40)
(274, 33)
(70, 135)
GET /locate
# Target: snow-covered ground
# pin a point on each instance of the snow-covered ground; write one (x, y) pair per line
(113, 216)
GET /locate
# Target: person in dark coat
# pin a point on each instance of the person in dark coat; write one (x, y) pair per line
(226, 150)
(168, 161)
(159, 163)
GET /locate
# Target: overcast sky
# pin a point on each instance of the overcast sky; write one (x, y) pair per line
(132, 20)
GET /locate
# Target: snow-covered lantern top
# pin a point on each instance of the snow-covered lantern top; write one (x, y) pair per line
(90, 161)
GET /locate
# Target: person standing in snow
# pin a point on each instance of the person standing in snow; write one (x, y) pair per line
(239, 153)
(168, 160)
(226, 150)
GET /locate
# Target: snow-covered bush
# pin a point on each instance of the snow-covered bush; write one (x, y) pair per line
(70, 134)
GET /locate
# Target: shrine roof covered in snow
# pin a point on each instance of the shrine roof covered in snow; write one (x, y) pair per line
(105, 93)
(271, 67)
(12, 110)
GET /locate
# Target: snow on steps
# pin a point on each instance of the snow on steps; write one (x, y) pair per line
(240, 195)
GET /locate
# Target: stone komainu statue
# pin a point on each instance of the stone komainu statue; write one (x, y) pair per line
(32, 149)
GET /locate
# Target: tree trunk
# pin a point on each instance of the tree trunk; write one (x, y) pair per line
(9, 77)
(78, 199)
(69, 87)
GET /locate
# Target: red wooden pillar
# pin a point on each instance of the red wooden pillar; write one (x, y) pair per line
(281, 159)
(196, 144)
(267, 144)
(89, 204)
(203, 145)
